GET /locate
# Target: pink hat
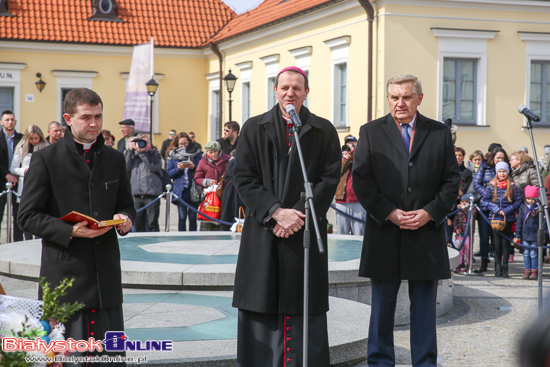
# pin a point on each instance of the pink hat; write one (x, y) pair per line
(531, 191)
(293, 68)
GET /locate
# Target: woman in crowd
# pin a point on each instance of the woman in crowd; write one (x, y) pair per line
(484, 175)
(32, 141)
(474, 161)
(212, 166)
(524, 171)
(183, 159)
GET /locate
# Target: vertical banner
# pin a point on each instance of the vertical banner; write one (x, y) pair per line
(136, 105)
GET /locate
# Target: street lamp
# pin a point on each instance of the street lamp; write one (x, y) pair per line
(40, 84)
(152, 87)
(230, 81)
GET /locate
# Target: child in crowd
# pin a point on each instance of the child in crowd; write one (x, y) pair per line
(501, 199)
(527, 227)
(460, 222)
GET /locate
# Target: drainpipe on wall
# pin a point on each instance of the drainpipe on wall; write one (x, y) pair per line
(216, 50)
(370, 17)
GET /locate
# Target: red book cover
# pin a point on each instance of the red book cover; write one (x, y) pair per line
(75, 217)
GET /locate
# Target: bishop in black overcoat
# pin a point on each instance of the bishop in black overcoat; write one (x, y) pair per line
(269, 277)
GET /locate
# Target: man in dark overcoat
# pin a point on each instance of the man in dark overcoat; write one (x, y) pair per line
(79, 173)
(9, 138)
(269, 277)
(406, 176)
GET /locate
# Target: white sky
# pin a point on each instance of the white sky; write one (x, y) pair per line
(240, 6)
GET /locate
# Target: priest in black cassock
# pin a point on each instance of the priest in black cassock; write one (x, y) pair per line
(269, 277)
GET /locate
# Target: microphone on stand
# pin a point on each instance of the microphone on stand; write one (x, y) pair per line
(524, 111)
(291, 110)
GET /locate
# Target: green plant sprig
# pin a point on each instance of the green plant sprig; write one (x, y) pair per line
(51, 307)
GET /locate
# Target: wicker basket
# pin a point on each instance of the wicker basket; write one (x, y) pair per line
(498, 224)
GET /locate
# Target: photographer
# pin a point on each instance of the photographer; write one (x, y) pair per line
(144, 165)
(183, 159)
(346, 200)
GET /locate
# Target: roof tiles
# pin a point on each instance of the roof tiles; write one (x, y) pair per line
(270, 11)
(173, 23)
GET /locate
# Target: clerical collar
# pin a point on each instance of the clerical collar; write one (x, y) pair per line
(85, 146)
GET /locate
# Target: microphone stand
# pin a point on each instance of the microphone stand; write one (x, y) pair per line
(309, 207)
(471, 240)
(544, 203)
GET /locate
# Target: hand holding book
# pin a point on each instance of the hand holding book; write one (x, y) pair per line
(86, 226)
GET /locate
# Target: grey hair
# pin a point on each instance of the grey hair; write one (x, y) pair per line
(405, 78)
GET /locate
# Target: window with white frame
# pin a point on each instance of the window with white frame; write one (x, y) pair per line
(271, 69)
(537, 74)
(271, 97)
(539, 96)
(215, 112)
(459, 90)
(245, 102)
(246, 74)
(340, 52)
(462, 79)
(340, 95)
(303, 60)
(10, 88)
(214, 105)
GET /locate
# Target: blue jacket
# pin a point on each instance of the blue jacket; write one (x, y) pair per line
(502, 203)
(482, 178)
(178, 176)
(527, 224)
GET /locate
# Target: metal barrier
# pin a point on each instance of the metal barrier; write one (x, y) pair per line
(9, 192)
(168, 202)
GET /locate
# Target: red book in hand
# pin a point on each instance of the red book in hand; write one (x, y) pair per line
(75, 217)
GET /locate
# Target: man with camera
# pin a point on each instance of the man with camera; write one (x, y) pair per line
(144, 165)
(346, 201)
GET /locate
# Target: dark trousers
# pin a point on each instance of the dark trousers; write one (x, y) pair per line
(151, 214)
(93, 323)
(274, 340)
(485, 233)
(184, 213)
(422, 295)
(17, 232)
(502, 245)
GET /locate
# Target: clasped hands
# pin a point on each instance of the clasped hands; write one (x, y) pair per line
(409, 220)
(81, 229)
(289, 221)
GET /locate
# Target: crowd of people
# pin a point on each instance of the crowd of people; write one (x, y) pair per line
(181, 162)
(505, 188)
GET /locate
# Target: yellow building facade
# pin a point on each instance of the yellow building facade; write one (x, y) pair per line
(104, 69)
(496, 42)
(478, 61)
